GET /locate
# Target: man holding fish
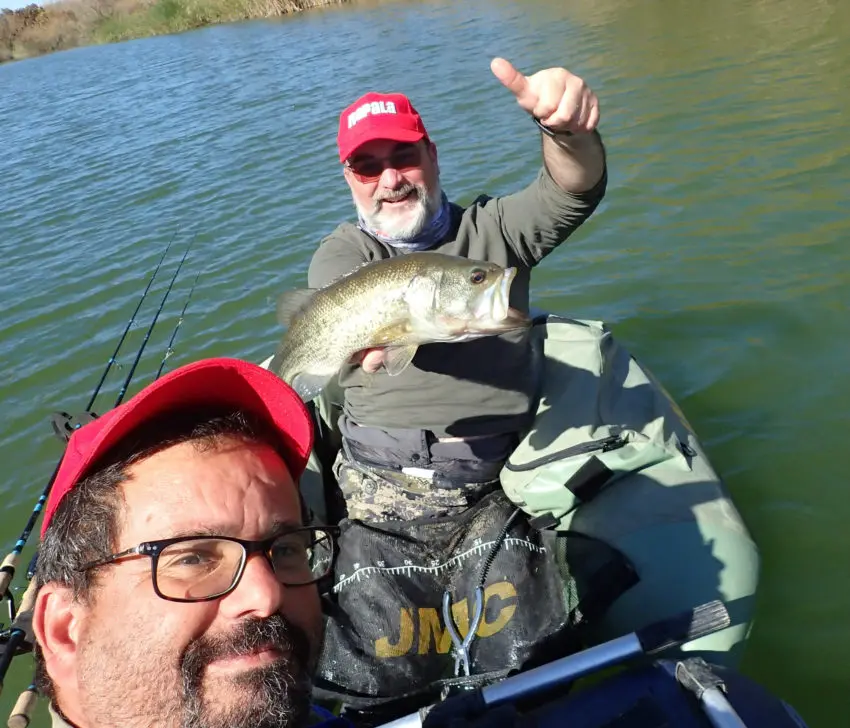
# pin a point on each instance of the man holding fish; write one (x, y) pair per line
(430, 548)
(453, 415)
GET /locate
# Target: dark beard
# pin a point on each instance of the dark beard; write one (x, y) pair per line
(276, 695)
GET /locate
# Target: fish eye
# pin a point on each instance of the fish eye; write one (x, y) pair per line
(477, 276)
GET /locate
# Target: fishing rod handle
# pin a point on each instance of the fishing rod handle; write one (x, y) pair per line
(27, 603)
(21, 631)
(21, 715)
(7, 572)
(563, 670)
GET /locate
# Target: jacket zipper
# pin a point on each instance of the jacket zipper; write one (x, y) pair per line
(606, 444)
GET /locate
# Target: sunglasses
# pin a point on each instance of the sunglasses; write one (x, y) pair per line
(368, 168)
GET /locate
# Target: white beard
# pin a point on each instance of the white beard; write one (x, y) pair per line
(405, 223)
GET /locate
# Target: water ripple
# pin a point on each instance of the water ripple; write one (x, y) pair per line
(719, 254)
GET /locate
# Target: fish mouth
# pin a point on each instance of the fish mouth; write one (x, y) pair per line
(494, 304)
(501, 303)
(492, 313)
(515, 319)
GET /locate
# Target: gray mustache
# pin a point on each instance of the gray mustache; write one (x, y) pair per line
(399, 194)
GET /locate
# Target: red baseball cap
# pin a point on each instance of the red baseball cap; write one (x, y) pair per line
(378, 116)
(227, 382)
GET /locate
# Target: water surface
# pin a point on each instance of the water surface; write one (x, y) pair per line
(719, 256)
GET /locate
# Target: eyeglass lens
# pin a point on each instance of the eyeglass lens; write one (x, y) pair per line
(205, 567)
(403, 157)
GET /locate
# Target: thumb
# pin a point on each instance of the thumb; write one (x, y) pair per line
(514, 81)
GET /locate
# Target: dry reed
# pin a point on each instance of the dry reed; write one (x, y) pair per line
(36, 29)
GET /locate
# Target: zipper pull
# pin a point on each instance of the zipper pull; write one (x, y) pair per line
(613, 442)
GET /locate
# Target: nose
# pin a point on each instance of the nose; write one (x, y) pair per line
(391, 178)
(259, 592)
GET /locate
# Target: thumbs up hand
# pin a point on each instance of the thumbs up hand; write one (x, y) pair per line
(556, 97)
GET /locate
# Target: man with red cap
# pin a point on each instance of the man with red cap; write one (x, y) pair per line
(176, 579)
(426, 535)
(454, 415)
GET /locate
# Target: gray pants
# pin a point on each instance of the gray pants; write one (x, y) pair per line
(381, 494)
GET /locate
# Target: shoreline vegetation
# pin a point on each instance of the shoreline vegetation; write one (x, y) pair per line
(36, 30)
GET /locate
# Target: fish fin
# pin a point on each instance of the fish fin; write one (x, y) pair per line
(308, 386)
(390, 333)
(290, 303)
(396, 358)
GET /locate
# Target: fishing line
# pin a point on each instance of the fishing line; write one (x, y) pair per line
(169, 350)
(128, 327)
(153, 323)
(7, 570)
(15, 637)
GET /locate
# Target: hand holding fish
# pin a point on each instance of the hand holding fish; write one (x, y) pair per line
(559, 99)
(384, 310)
(371, 360)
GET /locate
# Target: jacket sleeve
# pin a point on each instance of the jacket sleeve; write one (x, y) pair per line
(537, 219)
(336, 256)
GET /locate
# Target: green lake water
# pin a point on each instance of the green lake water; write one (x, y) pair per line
(720, 255)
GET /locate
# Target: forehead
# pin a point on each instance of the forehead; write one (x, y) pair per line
(233, 488)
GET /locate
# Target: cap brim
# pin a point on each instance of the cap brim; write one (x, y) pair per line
(210, 382)
(392, 134)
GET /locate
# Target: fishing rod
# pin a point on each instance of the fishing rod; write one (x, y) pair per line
(169, 350)
(153, 323)
(10, 563)
(128, 327)
(17, 634)
(17, 637)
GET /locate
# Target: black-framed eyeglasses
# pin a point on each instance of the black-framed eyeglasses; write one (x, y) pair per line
(202, 568)
(403, 157)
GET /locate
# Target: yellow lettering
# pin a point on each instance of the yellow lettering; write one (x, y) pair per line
(432, 630)
(431, 623)
(503, 590)
(385, 648)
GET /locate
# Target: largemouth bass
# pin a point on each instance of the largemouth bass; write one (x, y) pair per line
(396, 304)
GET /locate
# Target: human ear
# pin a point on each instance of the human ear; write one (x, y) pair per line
(56, 622)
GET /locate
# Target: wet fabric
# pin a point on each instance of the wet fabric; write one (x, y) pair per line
(387, 642)
(380, 494)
